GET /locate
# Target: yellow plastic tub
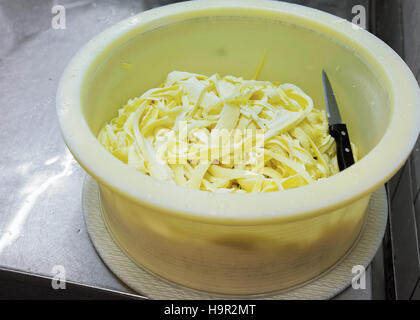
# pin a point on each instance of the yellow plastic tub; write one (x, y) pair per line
(240, 243)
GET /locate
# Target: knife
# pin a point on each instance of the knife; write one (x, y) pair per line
(338, 130)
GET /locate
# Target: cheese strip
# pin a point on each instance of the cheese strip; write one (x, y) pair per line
(224, 134)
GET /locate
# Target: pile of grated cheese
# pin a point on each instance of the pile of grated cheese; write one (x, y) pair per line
(273, 137)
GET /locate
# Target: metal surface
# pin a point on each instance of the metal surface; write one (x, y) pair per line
(330, 102)
(398, 24)
(41, 221)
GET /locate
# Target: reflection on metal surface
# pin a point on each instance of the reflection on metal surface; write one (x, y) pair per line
(34, 190)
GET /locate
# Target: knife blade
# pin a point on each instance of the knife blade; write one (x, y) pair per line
(338, 130)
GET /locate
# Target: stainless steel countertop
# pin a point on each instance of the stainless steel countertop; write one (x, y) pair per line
(41, 219)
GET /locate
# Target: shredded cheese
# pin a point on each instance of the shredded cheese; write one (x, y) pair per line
(224, 134)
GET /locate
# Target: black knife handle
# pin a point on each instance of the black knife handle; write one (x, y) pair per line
(344, 153)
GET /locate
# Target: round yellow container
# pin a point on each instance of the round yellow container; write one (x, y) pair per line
(240, 243)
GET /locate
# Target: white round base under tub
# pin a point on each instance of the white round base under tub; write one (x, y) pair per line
(326, 286)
